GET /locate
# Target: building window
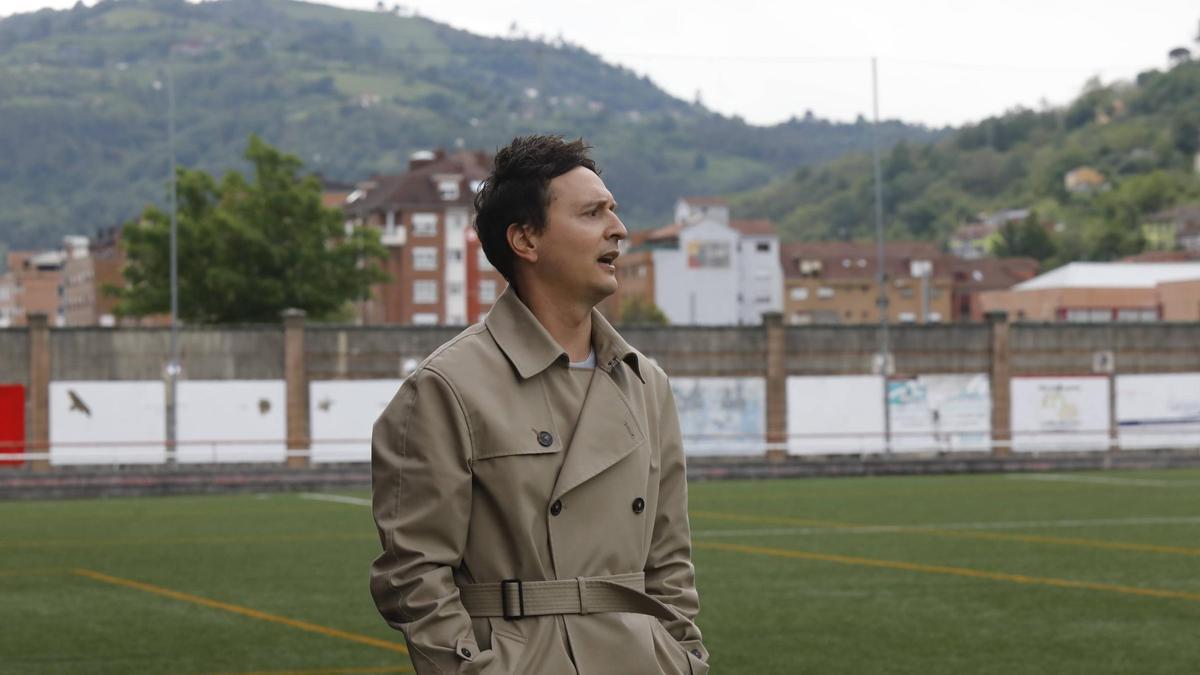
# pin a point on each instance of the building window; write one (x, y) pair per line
(763, 247)
(425, 319)
(810, 268)
(454, 288)
(425, 292)
(1088, 315)
(424, 258)
(487, 290)
(907, 317)
(424, 224)
(481, 261)
(824, 292)
(448, 189)
(456, 220)
(1137, 315)
(800, 293)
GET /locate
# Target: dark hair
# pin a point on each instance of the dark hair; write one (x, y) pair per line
(518, 191)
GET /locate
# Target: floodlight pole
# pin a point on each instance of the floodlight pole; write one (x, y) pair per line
(881, 276)
(173, 363)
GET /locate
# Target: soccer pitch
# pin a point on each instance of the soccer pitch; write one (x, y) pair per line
(1020, 573)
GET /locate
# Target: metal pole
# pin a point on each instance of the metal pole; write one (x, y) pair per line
(173, 364)
(881, 276)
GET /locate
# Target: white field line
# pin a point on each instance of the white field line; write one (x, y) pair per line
(878, 529)
(1013, 525)
(1099, 480)
(339, 499)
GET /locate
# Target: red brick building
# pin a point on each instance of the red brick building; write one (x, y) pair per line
(437, 272)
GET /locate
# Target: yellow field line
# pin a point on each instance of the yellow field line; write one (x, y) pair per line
(953, 571)
(325, 671)
(956, 534)
(238, 609)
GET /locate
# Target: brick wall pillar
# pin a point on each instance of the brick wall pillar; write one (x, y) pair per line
(295, 373)
(1000, 381)
(38, 436)
(776, 384)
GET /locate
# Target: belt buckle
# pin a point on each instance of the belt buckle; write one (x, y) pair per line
(504, 606)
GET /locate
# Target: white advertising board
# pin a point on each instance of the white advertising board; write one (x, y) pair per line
(232, 421)
(1059, 414)
(125, 420)
(828, 415)
(1159, 411)
(342, 413)
(940, 413)
(721, 415)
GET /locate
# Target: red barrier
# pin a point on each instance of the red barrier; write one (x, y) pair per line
(12, 423)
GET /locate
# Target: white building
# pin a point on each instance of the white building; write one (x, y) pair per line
(711, 270)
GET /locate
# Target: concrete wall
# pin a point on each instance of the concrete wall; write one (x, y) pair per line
(38, 355)
(229, 353)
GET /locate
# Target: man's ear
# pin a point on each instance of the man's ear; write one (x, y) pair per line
(523, 242)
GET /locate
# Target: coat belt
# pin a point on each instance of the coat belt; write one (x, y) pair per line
(514, 598)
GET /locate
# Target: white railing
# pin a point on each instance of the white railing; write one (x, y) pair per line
(357, 450)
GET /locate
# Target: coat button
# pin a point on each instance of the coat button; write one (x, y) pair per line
(556, 507)
(696, 653)
(466, 652)
(545, 439)
(639, 505)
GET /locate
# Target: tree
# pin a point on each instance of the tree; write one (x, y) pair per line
(637, 310)
(249, 250)
(1025, 238)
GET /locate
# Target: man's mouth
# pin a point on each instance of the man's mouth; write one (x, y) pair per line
(608, 259)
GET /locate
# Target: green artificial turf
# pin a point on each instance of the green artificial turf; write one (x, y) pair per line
(1071, 573)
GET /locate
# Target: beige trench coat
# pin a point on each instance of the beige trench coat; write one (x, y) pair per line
(465, 491)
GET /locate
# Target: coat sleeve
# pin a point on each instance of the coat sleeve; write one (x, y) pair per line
(421, 499)
(670, 576)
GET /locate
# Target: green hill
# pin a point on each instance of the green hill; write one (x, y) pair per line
(1142, 137)
(83, 107)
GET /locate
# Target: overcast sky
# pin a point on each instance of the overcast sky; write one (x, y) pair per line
(940, 61)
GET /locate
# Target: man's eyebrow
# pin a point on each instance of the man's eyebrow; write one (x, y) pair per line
(601, 201)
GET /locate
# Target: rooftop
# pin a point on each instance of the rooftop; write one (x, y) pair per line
(1112, 275)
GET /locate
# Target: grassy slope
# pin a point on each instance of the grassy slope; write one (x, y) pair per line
(80, 119)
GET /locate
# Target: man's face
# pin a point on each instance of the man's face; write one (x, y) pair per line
(578, 248)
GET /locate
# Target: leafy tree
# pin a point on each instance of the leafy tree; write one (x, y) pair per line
(248, 250)
(637, 310)
(1025, 238)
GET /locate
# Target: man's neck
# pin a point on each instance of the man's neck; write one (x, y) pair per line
(569, 323)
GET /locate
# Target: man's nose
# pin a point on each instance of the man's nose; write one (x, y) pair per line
(617, 229)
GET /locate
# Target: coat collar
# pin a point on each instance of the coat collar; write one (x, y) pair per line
(531, 349)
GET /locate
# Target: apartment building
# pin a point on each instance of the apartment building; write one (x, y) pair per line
(703, 269)
(438, 274)
(835, 282)
(31, 284)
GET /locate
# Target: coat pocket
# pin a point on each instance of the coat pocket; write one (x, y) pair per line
(672, 658)
(532, 441)
(508, 650)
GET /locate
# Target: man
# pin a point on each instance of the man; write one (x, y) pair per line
(529, 482)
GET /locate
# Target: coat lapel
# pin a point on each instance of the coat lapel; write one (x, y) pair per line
(607, 431)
